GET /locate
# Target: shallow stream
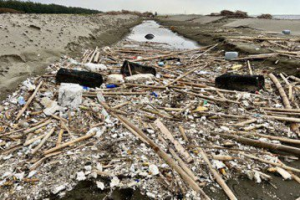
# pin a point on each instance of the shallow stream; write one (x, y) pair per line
(162, 36)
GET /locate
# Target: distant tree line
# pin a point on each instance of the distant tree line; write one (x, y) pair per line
(32, 7)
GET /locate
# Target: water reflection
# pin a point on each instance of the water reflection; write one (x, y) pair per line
(162, 35)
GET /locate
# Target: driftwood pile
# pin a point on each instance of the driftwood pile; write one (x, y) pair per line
(172, 135)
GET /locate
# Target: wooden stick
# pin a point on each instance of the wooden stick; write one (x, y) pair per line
(29, 101)
(250, 68)
(30, 141)
(286, 102)
(217, 176)
(281, 139)
(59, 118)
(283, 110)
(207, 97)
(181, 130)
(59, 139)
(69, 143)
(271, 163)
(39, 162)
(164, 156)
(121, 105)
(37, 127)
(266, 145)
(250, 121)
(185, 74)
(43, 141)
(167, 134)
(183, 165)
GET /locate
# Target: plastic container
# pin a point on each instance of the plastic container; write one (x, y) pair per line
(240, 82)
(231, 55)
(286, 32)
(88, 79)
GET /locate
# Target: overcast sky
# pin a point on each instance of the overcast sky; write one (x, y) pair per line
(253, 7)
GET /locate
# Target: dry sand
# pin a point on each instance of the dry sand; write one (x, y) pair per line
(272, 26)
(198, 19)
(28, 43)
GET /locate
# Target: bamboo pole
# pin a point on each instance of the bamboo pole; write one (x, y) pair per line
(183, 165)
(185, 74)
(163, 155)
(37, 127)
(69, 143)
(271, 163)
(167, 134)
(29, 101)
(43, 141)
(286, 102)
(181, 130)
(217, 176)
(266, 145)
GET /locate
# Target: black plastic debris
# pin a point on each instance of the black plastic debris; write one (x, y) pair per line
(149, 36)
(240, 82)
(88, 79)
(170, 58)
(130, 68)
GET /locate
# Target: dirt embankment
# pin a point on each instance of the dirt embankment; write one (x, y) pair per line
(208, 30)
(28, 43)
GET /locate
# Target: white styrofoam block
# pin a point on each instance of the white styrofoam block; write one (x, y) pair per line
(70, 95)
(139, 78)
(115, 79)
(95, 67)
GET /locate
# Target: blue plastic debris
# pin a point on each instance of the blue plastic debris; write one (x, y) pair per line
(161, 64)
(111, 86)
(21, 101)
(154, 94)
(85, 88)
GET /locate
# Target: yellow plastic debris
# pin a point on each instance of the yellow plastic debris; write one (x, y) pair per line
(201, 109)
(236, 67)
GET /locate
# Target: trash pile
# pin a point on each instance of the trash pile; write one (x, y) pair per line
(277, 47)
(137, 116)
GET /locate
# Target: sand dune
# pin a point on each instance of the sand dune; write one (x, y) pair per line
(28, 43)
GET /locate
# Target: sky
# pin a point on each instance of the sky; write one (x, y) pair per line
(253, 7)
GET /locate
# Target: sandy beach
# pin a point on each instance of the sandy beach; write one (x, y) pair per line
(30, 42)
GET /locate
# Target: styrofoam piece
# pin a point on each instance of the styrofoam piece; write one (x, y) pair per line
(231, 55)
(139, 78)
(95, 67)
(70, 95)
(50, 106)
(115, 79)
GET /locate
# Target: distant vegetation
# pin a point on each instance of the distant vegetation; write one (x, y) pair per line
(265, 16)
(13, 6)
(231, 14)
(126, 12)
(9, 10)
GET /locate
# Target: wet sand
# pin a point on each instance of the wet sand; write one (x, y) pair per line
(28, 43)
